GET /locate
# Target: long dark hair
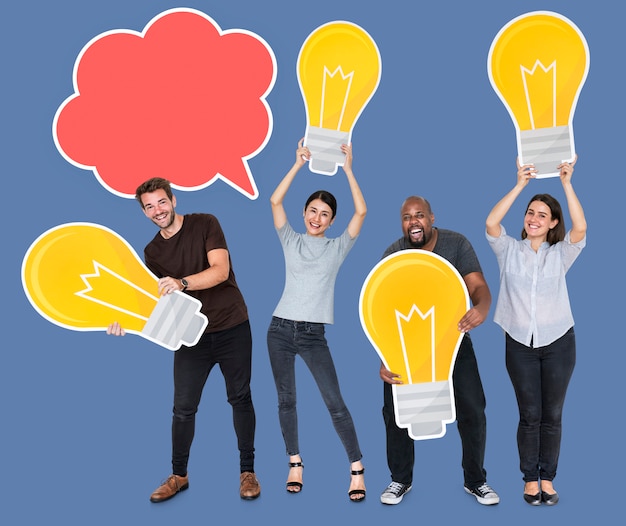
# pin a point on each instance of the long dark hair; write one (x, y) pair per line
(326, 197)
(557, 233)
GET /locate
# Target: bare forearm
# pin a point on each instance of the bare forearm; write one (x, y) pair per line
(216, 273)
(579, 223)
(481, 300)
(360, 207)
(207, 278)
(280, 192)
(495, 217)
(276, 200)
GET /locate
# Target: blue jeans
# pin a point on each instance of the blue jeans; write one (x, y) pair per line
(285, 340)
(231, 349)
(540, 377)
(469, 399)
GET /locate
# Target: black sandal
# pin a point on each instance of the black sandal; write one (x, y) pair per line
(360, 493)
(294, 485)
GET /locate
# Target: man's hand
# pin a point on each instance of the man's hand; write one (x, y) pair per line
(388, 377)
(472, 319)
(168, 285)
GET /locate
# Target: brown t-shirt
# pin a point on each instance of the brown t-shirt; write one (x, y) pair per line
(185, 253)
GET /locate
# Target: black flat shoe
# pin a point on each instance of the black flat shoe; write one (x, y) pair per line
(549, 498)
(533, 500)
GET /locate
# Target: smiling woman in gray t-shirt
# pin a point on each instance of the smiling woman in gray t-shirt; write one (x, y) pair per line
(312, 262)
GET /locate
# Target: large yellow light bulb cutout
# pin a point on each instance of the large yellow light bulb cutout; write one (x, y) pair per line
(83, 276)
(339, 68)
(410, 306)
(537, 65)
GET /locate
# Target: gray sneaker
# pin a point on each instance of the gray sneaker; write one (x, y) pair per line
(394, 493)
(484, 494)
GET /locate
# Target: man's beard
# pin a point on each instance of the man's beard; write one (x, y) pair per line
(170, 221)
(415, 244)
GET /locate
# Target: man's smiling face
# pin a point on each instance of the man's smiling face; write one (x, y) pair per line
(417, 222)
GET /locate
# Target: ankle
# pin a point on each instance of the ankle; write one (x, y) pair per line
(357, 466)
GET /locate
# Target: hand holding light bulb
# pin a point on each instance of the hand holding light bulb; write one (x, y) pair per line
(83, 276)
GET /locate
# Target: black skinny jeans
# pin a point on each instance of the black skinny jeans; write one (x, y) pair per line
(469, 401)
(231, 349)
(540, 377)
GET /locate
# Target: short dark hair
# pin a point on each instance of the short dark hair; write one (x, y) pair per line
(557, 233)
(326, 197)
(152, 185)
(417, 198)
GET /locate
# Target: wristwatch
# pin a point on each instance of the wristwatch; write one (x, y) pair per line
(185, 284)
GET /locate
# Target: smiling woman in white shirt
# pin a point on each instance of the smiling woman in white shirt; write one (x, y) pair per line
(534, 311)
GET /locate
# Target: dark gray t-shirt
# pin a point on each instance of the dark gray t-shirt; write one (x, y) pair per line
(185, 253)
(450, 245)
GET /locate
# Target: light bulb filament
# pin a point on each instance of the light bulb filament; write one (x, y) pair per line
(416, 336)
(337, 90)
(540, 92)
(106, 287)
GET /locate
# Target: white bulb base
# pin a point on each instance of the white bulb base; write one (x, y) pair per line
(175, 320)
(424, 408)
(325, 147)
(546, 148)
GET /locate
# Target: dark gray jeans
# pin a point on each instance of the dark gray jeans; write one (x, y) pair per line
(285, 340)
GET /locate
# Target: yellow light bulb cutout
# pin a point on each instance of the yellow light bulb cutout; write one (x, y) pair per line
(339, 69)
(537, 65)
(83, 276)
(410, 306)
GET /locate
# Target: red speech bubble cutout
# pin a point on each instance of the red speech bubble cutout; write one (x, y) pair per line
(182, 100)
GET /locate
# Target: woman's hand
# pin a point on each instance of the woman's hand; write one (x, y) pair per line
(566, 170)
(525, 172)
(303, 154)
(347, 151)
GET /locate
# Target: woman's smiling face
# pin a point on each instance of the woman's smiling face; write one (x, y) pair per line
(318, 216)
(538, 221)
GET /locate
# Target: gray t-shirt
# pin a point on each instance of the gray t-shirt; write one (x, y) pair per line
(450, 245)
(311, 267)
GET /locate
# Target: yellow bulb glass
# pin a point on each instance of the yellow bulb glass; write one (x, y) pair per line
(537, 65)
(83, 276)
(339, 68)
(410, 306)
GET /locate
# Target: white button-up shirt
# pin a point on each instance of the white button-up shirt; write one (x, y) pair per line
(533, 303)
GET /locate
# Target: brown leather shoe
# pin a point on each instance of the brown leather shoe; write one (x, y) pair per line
(170, 487)
(249, 487)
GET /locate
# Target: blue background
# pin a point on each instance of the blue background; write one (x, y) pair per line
(85, 432)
